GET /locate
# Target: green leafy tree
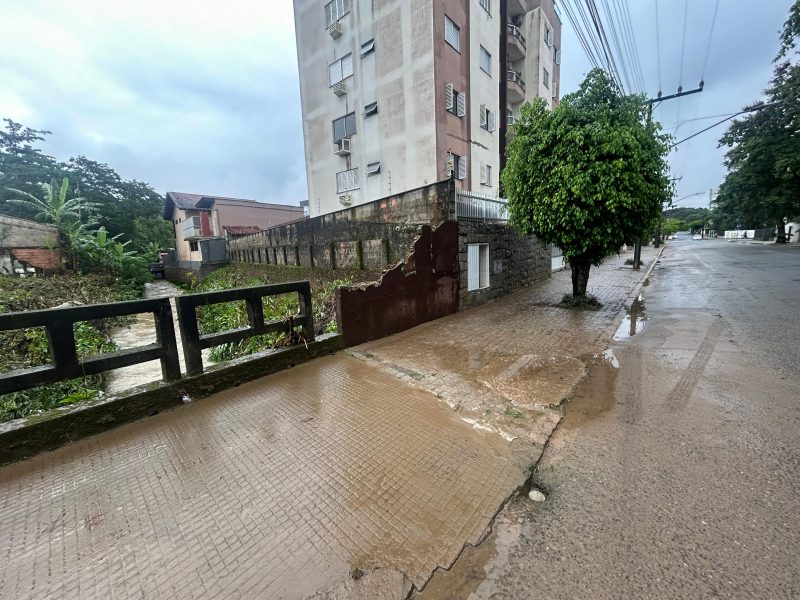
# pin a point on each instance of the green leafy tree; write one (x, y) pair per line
(673, 226)
(23, 166)
(763, 181)
(588, 176)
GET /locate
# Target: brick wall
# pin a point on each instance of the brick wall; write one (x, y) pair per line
(515, 260)
(40, 258)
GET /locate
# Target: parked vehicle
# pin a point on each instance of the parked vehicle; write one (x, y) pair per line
(697, 236)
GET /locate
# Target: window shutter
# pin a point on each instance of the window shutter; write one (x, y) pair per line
(329, 12)
(451, 165)
(483, 116)
(473, 251)
(448, 96)
(492, 117)
(488, 174)
(461, 101)
(347, 66)
(462, 167)
(483, 173)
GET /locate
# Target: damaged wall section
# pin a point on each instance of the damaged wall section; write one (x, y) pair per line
(423, 288)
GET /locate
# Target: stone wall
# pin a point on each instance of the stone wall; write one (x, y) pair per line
(367, 237)
(515, 260)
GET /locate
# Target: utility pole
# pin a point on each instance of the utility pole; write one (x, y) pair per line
(652, 102)
(658, 227)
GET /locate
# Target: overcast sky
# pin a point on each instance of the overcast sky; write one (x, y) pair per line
(200, 96)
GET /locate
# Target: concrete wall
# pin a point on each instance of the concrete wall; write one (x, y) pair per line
(515, 260)
(398, 75)
(369, 236)
(420, 289)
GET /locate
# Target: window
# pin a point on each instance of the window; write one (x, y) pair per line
(347, 181)
(371, 109)
(486, 61)
(546, 77)
(455, 102)
(556, 55)
(193, 246)
(341, 69)
(452, 34)
(477, 267)
(373, 168)
(488, 118)
(335, 10)
(367, 47)
(457, 165)
(487, 6)
(548, 36)
(344, 127)
(486, 174)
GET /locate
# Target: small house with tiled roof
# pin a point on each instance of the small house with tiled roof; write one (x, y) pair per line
(203, 223)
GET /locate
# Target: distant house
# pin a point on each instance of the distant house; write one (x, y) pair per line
(28, 246)
(203, 223)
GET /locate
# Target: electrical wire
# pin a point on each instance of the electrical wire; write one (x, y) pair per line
(710, 36)
(658, 47)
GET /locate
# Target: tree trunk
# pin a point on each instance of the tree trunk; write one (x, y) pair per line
(580, 275)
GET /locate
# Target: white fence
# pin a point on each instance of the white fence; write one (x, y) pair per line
(471, 206)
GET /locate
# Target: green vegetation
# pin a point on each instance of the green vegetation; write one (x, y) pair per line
(124, 207)
(230, 315)
(29, 348)
(689, 219)
(588, 176)
(763, 181)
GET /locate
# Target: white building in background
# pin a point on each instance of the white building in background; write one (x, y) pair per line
(400, 93)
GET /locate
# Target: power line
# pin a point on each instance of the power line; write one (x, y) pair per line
(683, 42)
(626, 10)
(741, 112)
(658, 47)
(710, 35)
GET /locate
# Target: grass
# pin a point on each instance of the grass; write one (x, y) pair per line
(222, 317)
(24, 348)
(587, 302)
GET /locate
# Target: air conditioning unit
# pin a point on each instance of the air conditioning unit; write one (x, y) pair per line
(346, 199)
(335, 29)
(341, 147)
(340, 89)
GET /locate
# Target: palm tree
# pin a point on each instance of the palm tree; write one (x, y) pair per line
(54, 208)
(71, 217)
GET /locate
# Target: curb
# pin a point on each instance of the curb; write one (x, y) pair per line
(639, 284)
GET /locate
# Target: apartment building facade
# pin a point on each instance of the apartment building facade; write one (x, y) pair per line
(398, 94)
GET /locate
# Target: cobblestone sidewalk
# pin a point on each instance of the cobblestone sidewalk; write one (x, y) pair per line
(295, 484)
(506, 366)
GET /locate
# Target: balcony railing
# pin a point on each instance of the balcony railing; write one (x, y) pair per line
(471, 206)
(515, 77)
(513, 30)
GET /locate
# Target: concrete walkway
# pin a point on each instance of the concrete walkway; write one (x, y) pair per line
(350, 476)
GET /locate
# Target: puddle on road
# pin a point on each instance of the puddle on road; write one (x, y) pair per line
(634, 322)
(594, 395)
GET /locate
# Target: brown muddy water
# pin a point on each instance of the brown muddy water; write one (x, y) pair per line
(141, 333)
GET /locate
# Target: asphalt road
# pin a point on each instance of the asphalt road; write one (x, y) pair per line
(676, 475)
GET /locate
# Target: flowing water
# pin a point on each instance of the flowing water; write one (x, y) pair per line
(141, 333)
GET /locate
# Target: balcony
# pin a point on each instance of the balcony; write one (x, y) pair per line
(193, 229)
(511, 121)
(515, 86)
(515, 42)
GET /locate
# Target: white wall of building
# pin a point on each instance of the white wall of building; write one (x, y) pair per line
(484, 90)
(399, 75)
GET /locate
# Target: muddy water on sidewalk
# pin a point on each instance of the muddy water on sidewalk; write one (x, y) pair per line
(141, 333)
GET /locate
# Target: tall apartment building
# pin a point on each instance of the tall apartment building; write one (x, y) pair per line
(397, 94)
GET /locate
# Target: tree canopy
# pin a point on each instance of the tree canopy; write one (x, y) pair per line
(588, 176)
(129, 208)
(763, 181)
